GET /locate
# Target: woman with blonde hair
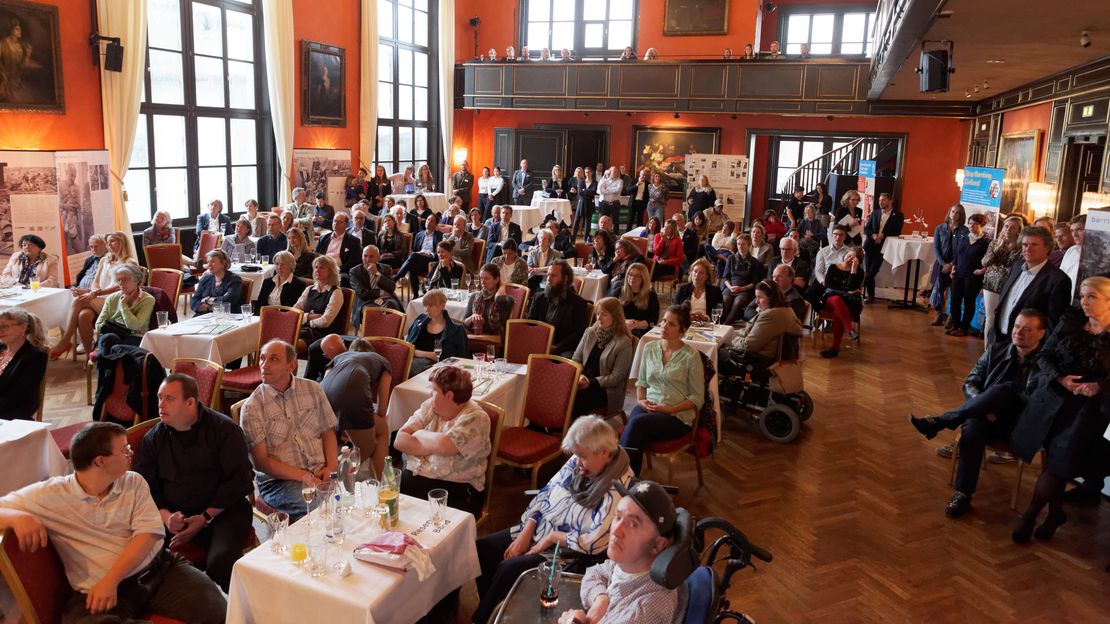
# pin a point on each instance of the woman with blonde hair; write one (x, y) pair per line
(641, 305)
(1002, 253)
(849, 207)
(701, 291)
(22, 364)
(302, 255)
(761, 249)
(86, 307)
(321, 303)
(425, 181)
(605, 353)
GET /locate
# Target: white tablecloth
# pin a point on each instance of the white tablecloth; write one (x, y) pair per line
(166, 344)
(528, 217)
(30, 454)
(51, 305)
(595, 284)
(436, 201)
(456, 306)
(897, 256)
(562, 208)
(266, 587)
(898, 251)
(254, 277)
(506, 391)
(700, 339)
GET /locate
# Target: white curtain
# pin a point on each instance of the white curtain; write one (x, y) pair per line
(368, 91)
(121, 91)
(281, 83)
(447, 85)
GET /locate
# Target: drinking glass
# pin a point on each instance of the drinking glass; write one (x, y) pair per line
(438, 349)
(163, 319)
(369, 496)
(317, 554)
(35, 285)
(491, 353)
(437, 501)
(388, 496)
(718, 310)
(236, 258)
(297, 537)
(308, 491)
(278, 524)
(246, 312)
(335, 526)
(265, 261)
(549, 577)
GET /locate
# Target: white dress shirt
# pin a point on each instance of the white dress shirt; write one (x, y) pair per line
(609, 189)
(1023, 280)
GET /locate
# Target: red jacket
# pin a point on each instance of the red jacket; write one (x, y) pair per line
(673, 255)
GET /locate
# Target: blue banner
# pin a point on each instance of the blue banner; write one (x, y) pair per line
(867, 168)
(982, 188)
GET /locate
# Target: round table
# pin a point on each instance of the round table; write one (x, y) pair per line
(908, 258)
(560, 207)
(528, 217)
(436, 201)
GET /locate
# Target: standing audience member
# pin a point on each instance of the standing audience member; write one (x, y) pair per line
(967, 275)
(106, 530)
(849, 215)
(884, 223)
(701, 198)
(944, 246)
(357, 386)
(1069, 264)
(461, 183)
(638, 199)
(586, 192)
(1002, 253)
(605, 354)
(23, 363)
(559, 306)
(199, 472)
(483, 192)
(522, 184)
(609, 188)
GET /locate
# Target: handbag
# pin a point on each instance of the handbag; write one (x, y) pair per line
(112, 327)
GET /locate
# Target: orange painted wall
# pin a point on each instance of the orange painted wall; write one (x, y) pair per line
(338, 25)
(935, 147)
(1031, 118)
(81, 126)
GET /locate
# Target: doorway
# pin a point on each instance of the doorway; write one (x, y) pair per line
(1079, 174)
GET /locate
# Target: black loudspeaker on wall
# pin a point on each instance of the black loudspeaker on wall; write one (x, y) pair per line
(934, 71)
(113, 57)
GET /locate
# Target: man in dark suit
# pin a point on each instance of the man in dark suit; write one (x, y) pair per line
(882, 224)
(502, 231)
(274, 240)
(423, 252)
(522, 185)
(341, 246)
(372, 281)
(362, 227)
(207, 221)
(791, 256)
(559, 306)
(1033, 283)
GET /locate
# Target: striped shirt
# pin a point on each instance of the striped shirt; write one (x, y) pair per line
(633, 598)
(290, 423)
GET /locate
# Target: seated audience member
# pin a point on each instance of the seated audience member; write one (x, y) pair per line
(995, 391)
(774, 318)
(23, 363)
(280, 287)
(357, 386)
(513, 267)
(87, 304)
(454, 209)
(290, 431)
(625, 255)
(423, 253)
(494, 217)
(161, 230)
(126, 313)
(774, 226)
(784, 278)
(212, 221)
(501, 232)
(199, 472)
(559, 306)
(621, 588)
(667, 248)
(420, 209)
(218, 285)
(790, 256)
(446, 443)
(98, 248)
(669, 391)
(540, 259)
(573, 510)
(403, 182)
(107, 532)
(373, 284)
(475, 226)
(842, 298)
(1069, 264)
(811, 227)
(32, 263)
(701, 291)
(720, 247)
(362, 227)
(967, 275)
(240, 244)
(321, 303)
(288, 221)
(302, 255)
(742, 272)
(489, 308)
(762, 250)
(1032, 283)
(605, 222)
(654, 226)
(715, 216)
(463, 244)
(251, 216)
(322, 213)
(340, 245)
(601, 252)
(639, 301)
(432, 328)
(691, 241)
(274, 240)
(391, 243)
(605, 353)
(446, 271)
(829, 255)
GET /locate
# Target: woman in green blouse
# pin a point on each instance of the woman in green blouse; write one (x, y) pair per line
(126, 312)
(669, 391)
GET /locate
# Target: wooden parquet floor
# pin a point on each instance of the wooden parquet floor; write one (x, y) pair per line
(853, 509)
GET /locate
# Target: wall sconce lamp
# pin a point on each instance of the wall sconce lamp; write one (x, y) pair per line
(1041, 198)
(460, 155)
(959, 178)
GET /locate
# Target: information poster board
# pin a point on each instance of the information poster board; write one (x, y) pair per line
(84, 200)
(865, 185)
(1095, 258)
(982, 193)
(322, 170)
(728, 175)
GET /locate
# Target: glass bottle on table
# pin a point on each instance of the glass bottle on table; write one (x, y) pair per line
(389, 490)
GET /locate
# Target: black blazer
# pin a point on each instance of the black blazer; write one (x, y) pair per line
(569, 320)
(270, 245)
(20, 383)
(713, 296)
(522, 181)
(419, 237)
(842, 212)
(85, 268)
(289, 293)
(892, 229)
(494, 237)
(1049, 292)
(587, 193)
(558, 191)
(350, 252)
(380, 294)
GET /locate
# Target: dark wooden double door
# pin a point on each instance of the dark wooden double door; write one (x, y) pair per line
(546, 146)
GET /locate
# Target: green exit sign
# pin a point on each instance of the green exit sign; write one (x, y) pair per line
(1088, 111)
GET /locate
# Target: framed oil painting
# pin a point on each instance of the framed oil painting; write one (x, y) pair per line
(323, 85)
(30, 58)
(665, 149)
(695, 17)
(1019, 154)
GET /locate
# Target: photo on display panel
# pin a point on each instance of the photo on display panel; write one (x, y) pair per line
(76, 205)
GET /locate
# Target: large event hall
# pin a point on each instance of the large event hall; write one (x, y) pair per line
(554, 311)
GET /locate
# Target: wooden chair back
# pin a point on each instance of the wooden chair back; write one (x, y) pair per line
(496, 421)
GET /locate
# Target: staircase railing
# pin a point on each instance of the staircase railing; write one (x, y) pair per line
(842, 160)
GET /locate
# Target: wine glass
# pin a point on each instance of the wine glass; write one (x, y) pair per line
(718, 310)
(438, 348)
(491, 353)
(308, 491)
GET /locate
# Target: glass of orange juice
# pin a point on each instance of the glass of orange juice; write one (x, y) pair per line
(298, 552)
(35, 285)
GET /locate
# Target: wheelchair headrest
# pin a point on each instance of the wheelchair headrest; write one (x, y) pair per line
(679, 560)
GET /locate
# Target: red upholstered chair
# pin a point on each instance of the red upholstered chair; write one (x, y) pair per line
(398, 353)
(38, 582)
(246, 297)
(209, 240)
(641, 244)
(524, 337)
(520, 299)
(552, 386)
(496, 419)
(582, 253)
(673, 449)
(345, 311)
(381, 322)
(479, 254)
(208, 375)
(275, 323)
(163, 256)
(168, 280)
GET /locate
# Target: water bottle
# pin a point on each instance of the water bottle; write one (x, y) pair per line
(331, 506)
(345, 487)
(355, 462)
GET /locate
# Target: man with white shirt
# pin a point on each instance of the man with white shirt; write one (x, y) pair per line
(1033, 283)
(522, 185)
(609, 189)
(107, 531)
(403, 183)
(830, 255)
(638, 199)
(1070, 263)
